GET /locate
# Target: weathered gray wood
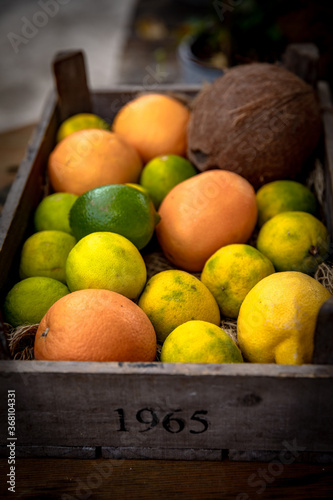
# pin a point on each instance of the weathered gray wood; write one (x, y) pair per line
(71, 82)
(4, 348)
(283, 456)
(323, 339)
(302, 59)
(132, 453)
(84, 452)
(325, 100)
(26, 192)
(231, 406)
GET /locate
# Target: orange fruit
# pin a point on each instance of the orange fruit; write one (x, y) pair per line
(204, 213)
(95, 325)
(91, 158)
(154, 124)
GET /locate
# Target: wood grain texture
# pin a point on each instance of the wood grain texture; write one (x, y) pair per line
(216, 407)
(71, 82)
(302, 59)
(141, 479)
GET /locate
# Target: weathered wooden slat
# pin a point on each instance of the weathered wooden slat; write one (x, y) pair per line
(26, 192)
(80, 452)
(154, 405)
(284, 456)
(302, 59)
(134, 453)
(71, 81)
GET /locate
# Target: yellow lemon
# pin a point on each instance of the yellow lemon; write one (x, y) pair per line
(163, 173)
(80, 121)
(29, 299)
(173, 297)
(106, 260)
(231, 272)
(45, 253)
(200, 342)
(53, 212)
(294, 241)
(117, 209)
(284, 196)
(277, 318)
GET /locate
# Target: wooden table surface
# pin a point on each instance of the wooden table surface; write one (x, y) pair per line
(130, 479)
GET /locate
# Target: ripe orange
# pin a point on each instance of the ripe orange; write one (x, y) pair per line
(154, 124)
(91, 158)
(95, 325)
(204, 213)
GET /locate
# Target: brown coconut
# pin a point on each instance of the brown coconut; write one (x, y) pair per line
(258, 120)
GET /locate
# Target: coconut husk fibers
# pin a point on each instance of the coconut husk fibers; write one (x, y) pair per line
(258, 120)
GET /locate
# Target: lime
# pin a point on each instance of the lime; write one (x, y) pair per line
(284, 196)
(162, 173)
(29, 299)
(81, 121)
(45, 253)
(106, 260)
(116, 208)
(277, 318)
(173, 297)
(294, 241)
(231, 272)
(53, 212)
(200, 342)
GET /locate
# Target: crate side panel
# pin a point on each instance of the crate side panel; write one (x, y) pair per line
(171, 411)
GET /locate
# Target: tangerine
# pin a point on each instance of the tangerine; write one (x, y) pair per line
(154, 124)
(204, 213)
(91, 158)
(95, 325)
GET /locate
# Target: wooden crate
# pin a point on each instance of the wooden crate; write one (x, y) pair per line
(155, 410)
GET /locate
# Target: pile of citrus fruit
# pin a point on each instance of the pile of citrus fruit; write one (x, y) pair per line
(125, 190)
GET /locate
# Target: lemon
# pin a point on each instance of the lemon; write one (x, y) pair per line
(277, 318)
(173, 297)
(53, 212)
(231, 272)
(45, 253)
(284, 196)
(106, 260)
(115, 208)
(81, 121)
(29, 299)
(162, 173)
(200, 342)
(294, 241)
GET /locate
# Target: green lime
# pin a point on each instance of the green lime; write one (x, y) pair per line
(28, 301)
(45, 253)
(163, 173)
(200, 342)
(81, 121)
(53, 212)
(284, 196)
(116, 208)
(294, 241)
(109, 261)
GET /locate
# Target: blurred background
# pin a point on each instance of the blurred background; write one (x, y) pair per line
(146, 42)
